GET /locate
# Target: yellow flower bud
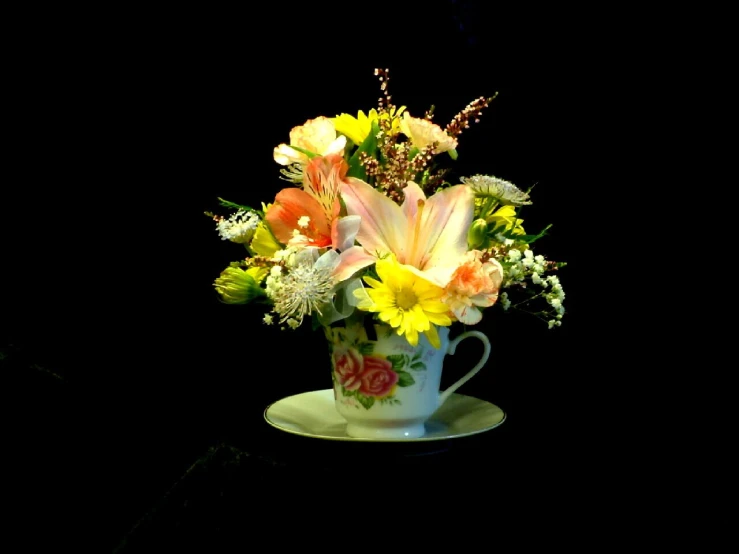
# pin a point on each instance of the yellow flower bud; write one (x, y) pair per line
(477, 236)
(237, 286)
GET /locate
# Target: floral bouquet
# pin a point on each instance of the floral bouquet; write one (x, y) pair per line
(370, 226)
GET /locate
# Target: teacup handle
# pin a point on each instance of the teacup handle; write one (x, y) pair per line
(471, 373)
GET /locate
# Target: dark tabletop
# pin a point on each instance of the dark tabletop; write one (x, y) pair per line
(150, 465)
(137, 399)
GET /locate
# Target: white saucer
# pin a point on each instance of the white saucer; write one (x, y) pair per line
(312, 414)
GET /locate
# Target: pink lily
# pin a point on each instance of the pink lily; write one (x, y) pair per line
(427, 234)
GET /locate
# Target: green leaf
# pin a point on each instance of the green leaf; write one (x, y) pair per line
(499, 230)
(405, 379)
(308, 153)
(399, 361)
(366, 401)
(229, 204)
(528, 239)
(418, 366)
(369, 146)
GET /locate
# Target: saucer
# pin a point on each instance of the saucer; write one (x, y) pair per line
(313, 414)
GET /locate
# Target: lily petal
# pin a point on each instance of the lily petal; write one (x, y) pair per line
(413, 194)
(344, 231)
(442, 240)
(351, 261)
(383, 223)
(427, 234)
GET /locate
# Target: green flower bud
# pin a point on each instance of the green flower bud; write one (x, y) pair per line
(237, 286)
(477, 236)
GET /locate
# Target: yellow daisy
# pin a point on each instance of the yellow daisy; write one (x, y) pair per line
(405, 301)
(357, 128)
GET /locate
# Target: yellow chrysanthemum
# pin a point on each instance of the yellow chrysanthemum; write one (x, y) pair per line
(357, 128)
(405, 301)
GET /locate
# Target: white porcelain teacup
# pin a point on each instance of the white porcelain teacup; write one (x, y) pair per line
(386, 388)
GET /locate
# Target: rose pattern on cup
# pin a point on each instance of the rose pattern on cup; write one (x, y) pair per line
(348, 368)
(378, 378)
(369, 377)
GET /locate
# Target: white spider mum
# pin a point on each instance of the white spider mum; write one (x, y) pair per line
(503, 191)
(307, 286)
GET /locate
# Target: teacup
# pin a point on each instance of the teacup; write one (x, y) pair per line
(386, 388)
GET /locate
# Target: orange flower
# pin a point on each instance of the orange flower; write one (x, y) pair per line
(291, 206)
(318, 201)
(473, 284)
(322, 178)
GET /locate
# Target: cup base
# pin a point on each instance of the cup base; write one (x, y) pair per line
(359, 431)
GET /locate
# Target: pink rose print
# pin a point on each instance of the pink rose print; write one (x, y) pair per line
(348, 367)
(378, 377)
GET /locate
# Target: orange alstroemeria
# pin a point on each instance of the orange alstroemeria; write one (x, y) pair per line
(289, 207)
(319, 202)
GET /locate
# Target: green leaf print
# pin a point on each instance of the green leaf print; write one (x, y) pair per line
(366, 401)
(405, 379)
(399, 361)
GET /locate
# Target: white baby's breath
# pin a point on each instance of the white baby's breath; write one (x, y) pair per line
(239, 227)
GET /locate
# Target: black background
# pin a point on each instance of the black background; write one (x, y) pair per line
(123, 367)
